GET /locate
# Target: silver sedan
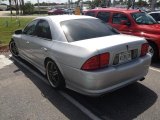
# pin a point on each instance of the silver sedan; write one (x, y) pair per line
(82, 53)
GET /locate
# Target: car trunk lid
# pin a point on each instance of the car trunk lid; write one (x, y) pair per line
(121, 47)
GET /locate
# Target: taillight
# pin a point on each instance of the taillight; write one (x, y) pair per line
(96, 62)
(144, 49)
(104, 59)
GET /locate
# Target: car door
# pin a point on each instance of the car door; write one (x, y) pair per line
(121, 22)
(27, 35)
(41, 43)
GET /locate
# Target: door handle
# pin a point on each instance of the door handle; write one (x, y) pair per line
(43, 48)
(27, 42)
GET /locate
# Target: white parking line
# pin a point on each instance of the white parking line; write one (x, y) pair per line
(152, 68)
(81, 107)
(4, 61)
(68, 97)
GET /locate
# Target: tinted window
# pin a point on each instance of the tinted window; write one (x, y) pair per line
(43, 29)
(90, 14)
(156, 16)
(81, 29)
(30, 28)
(143, 18)
(104, 16)
(118, 17)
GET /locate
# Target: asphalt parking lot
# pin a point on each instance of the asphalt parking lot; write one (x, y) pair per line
(25, 95)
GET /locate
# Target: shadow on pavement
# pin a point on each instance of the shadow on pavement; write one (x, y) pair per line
(156, 65)
(124, 104)
(63, 105)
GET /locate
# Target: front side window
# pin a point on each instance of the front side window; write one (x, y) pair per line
(143, 18)
(80, 29)
(43, 29)
(104, 16)
(30, 28)
(118, 17)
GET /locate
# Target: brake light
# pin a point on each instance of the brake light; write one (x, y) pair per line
(104, 59)
(144, 49)
(96, 62)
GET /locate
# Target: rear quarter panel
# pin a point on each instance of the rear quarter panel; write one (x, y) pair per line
(70, 55)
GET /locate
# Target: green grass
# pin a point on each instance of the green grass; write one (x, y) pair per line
(9, 24)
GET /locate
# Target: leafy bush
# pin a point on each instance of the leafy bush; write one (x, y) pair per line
(28, 8)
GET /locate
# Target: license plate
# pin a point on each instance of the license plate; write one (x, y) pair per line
(124, 57)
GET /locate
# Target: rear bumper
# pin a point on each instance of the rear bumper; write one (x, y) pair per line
(98, 82)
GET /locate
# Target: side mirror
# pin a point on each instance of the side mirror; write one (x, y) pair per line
(17, 32)
(125, 22)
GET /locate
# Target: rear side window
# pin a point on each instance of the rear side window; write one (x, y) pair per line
(118, 17)
(80, 29)
(43, 29)
(104, 16)
(90, 13)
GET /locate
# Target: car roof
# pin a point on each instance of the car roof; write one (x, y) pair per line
(60, 18)
(117, 10)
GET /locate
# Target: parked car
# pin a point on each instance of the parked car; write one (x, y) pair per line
(82, 53)
(155, 15)
(56, 12)
(69, 11)
(132, 22)
(3, 7)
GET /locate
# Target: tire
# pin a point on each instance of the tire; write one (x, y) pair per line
(13, 48)
(54, 75)
(154, 51)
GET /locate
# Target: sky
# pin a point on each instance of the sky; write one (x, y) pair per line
(35, 1)
(57, 1)
(48, 1)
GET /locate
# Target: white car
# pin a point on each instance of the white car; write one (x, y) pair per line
(3, 7)
(82, 53)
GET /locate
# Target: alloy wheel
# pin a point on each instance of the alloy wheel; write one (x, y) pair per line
(53, 74)
(13, 48)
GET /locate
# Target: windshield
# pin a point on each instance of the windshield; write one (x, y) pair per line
(143, 18)
(80, 29)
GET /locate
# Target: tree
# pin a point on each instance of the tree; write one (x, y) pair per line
(28, 8)
(96, 3)
(141, 3)
(10, 4)
(21, 6)
(114, 2)
(153, 3)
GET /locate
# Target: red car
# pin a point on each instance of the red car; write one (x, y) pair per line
(56, 12)
(132, 22)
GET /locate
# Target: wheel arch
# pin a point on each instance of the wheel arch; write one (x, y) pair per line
(47, 59)
(152, 42)
(155, 44)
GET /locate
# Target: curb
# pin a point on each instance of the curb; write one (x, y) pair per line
(4, 48)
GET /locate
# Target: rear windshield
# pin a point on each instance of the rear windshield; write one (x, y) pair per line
(143, 18)
(80, 29)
